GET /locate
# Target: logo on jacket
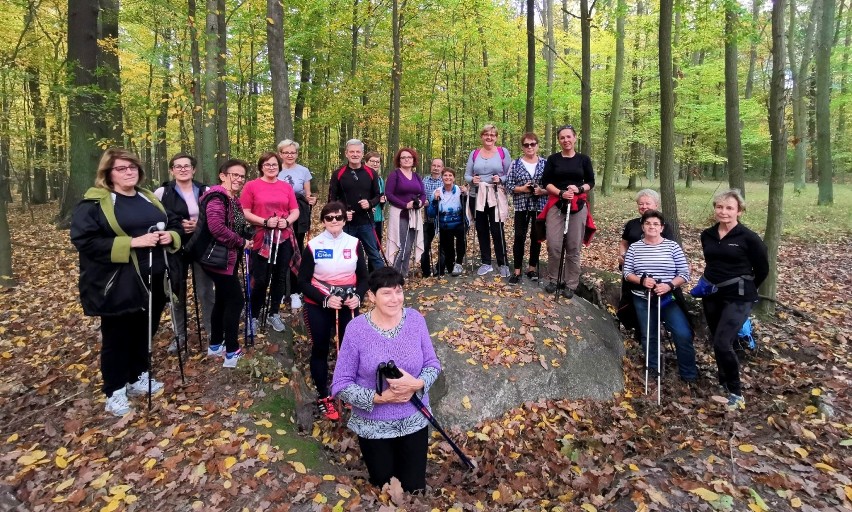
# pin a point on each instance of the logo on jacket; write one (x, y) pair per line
(347, 254)
(323, 254)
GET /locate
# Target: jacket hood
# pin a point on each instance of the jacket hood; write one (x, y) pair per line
(214, 189)
(96, 194)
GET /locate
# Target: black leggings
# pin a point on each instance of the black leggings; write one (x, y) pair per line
(487, 225)
(403, 457)
(525, 221)
(725, 318)
(260, 278)
(227, 307)
(452, 248)
(320, 323)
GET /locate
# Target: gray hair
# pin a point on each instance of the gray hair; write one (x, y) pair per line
(286, 143)
(729, 193)
(648, 192)
(354, 142)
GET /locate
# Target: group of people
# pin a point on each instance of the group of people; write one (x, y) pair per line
(129, 239)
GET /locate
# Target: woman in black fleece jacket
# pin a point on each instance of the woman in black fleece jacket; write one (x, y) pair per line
(737, 264)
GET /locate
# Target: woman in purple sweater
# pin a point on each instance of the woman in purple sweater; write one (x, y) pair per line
(392, 433)
(406, 195)
(223, 216)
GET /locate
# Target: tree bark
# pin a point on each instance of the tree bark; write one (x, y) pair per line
(615, 107)
(396, 79)
(39, 190)
(281, 115)
(209, 150)
(529, 120)
(161, 138)
(844, 90)
(736, 173)
(775, 212)
(752, 53)
(586, 80)
(823, 103)
(109, 70)
(550, 62)
(224, 141)
(798, 75)
(667, 178)
(301, 96)
(197, 101)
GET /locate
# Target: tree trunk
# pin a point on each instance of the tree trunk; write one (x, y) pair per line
(85, 126)
(278, 67)
(550, 62)
(798, 75)
(161, 140)
(615, 108)
(752, 53)
(224, 141)
(636, 149)
(667, 178)
(301, 96)
(586, 80)
(39, 190)
(396, 79)
(844, 91)
(353, 66)
(197, 101)
(489, 103)
(209, 143)
(823, 103)
(529, 121)
(774, 216)
(736, 173)
(109, 70)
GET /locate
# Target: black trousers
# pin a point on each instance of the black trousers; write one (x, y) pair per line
(525, 224)
(453, 247)
(401, 457)
(227, 308)
(260, 273)
(426, 258)
(724, 318)
(320, 322)
(124, 347)
(485, 226)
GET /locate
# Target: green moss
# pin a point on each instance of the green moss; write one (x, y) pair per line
(279, 408)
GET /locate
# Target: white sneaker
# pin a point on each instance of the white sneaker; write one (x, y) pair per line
(232, 360)
(173, 347)
(504, 271)
(484, 269)
(216, 351)
(457, 270)
(276, 322)
(117, 404)
(295, 301)
(140, 387)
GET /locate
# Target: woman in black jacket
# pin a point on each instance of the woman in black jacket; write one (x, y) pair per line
(115, 229)
(737, 264)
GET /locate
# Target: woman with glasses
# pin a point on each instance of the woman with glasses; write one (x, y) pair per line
(227, 226)
(528, 197)
(116, 228)
(180, 198)
(333, 277)
(374, 162)
(270, 204)
(487, 167)
(299, 177)
(654, 267)
(407, 195)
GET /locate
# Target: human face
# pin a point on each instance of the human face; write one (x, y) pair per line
(334, 221)
(727, 211)
(448, 179)
(288, 155)
(374, 163)
(646, 203)
(652, 228)
(567, 138)
(530, 147)
(233, 178)
(389, 301)
(271, 169)
(182, 170)
(354, 154)
(489, 138)
(406, 160)
(436, 167)
(124, 175)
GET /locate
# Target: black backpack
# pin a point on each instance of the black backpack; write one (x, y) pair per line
(202, 247)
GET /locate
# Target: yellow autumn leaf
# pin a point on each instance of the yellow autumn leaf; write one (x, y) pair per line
(64, 485)
(6, 355)
(824, 467)
(328, 478)
(163, 443)
(816, 392)
(811, 410)
(754, 508)
(338, 507)
(298, 466)
(316, 431)
(795, 503)
(588, 507)
(705, 494)
(466, 402)
(260, 472)
(747, 448)
(495, 495)
(229, 462)
(112, 506)
(264, 423)
(497, 318)
(343, 492)
(801, 451)
(320, 498)
(848, 490)
(633, 467)
(240, 431)
(280, 431)
(291, 451)
(12, 438)
(61, 462)
(31, 458)
(810, 435)
(101, 481)
(150, 463)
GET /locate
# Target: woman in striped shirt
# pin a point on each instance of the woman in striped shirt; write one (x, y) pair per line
(656, 266)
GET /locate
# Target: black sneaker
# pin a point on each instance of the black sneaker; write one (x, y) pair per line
(515, 279)
(568, 293)
(532, 275)
(551, 287)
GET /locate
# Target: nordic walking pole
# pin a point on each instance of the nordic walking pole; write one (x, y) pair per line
(501, 223)
(172, 313)
(249, 332)
(659, 368)
(270, 273)
(158, 227)
(438, 236)
(559, 279)
(195, 301)
(647, 338)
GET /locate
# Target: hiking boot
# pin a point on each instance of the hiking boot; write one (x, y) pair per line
(140, 387)
(117, 403)
(276, 322)
(327, 409)
(484, 269)
(552, 287)
(515, 279)
(504, 271)
(232, 359)
(736, 403)
(295, 301)
(177, 342)
(532, 275)
(216, 351)
(457, 270)
(568, 293)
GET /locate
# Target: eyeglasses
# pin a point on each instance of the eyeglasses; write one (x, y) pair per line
(187, 167)
(653, 225)
(126, 169)
(288, 152)
(529, 144)
(237, 177)
(406, 157)
(332, 218)
(270, 166)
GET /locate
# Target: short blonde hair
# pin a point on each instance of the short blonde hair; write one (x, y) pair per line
(287, 143)
(729, 193)
(488, 128)
(103, 179)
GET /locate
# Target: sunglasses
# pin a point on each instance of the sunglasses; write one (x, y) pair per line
(529, 144)
(332, 218)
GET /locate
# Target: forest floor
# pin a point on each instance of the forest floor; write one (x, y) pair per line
(227, 440)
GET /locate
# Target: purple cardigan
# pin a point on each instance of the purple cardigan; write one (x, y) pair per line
(400, 190)
(220, 227)
(362, 350)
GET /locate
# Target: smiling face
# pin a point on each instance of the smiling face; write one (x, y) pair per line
(182, 170)
(388, 301)
(354, 154)
(489, 138)
(530, 147)
(374, 163)
(270, 169)
(233, 179)
(652, 228)
(406, 160)
(448, 179)
(334, 221)
(288, 155)
(436, 168)
(567, 138)
(727, 210)
(645, 203)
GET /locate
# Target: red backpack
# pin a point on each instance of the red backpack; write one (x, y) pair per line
(365, 167)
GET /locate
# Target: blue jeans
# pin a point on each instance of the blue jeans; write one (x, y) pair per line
(676, 323)
(367, 235)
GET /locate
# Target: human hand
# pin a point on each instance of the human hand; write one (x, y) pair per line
(188, 226)
(147, 240)
(349, 215)
(312, 200)
(248, 245)
(352, 302)
(363, 203)
(409, 205)
(406, 385)
(476, 180)
(334, 302)
(661, 289)
(165, 238)
(383, 199)
(437, 193)
(648, 282)
(272, 222)
(567, 194)
(495, 178)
